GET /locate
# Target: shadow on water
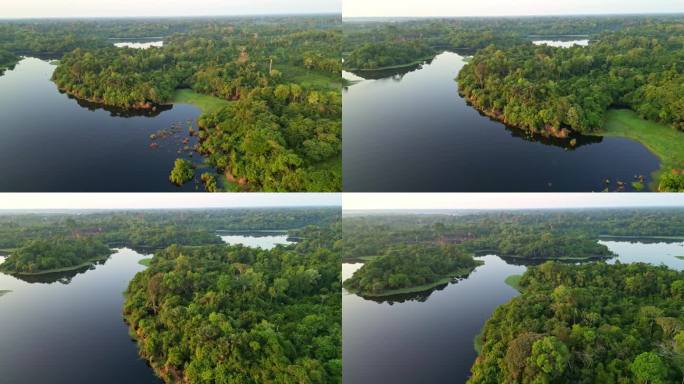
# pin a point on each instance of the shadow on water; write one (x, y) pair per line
(119, 112)
(390, 73)
(420, 297)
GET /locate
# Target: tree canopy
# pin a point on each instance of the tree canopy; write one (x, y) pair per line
(587, 323)
(226, 314)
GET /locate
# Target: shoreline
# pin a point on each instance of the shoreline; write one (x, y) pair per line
(605, 131)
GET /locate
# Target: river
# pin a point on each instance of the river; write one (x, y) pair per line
(412, 132)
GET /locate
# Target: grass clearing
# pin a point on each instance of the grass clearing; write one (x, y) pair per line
(307, 78)
(665, 142)
(514, 281)
(477, 342)
(146, 261)
(204, 102)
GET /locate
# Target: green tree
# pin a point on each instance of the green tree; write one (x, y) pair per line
(182, 172)
(649, 368)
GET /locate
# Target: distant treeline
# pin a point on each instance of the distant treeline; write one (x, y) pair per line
(560, 234)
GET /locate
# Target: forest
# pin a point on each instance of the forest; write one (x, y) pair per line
(276, 82)
(232, 314)
(50, 255)
(372, 45)
(532, 234)
(150, 230)
(587, 323)
(408, 268)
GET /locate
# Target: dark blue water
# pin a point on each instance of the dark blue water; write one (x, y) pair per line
(413, 132)
(68, 328)
(53, 143)
(428, 338)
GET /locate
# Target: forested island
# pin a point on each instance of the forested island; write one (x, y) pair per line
(227, 314)
(269, 88)
(626, 82)
(54, 255)
(410, 268)
(591, 323)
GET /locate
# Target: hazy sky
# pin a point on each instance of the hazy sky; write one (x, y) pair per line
(123, 8)
(356, 201)
(41, 201)
(422, 8)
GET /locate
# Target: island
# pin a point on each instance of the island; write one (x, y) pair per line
(39, 256)
(237, 314)
(410, 268)
(589, 322)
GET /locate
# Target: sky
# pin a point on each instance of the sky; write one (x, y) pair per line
(418, 201)
(61, 201)
(128, 8)
(445, 8)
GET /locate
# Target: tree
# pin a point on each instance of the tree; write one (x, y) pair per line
(182, 172)
(649, 368)
(550, 356)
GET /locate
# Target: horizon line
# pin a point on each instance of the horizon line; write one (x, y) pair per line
(169, 16)
(516, 15)
(514, 208)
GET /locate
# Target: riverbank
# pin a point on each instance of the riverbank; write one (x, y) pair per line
(663, 141)
(63, 269)
(460, 273)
